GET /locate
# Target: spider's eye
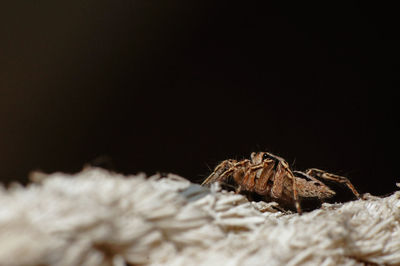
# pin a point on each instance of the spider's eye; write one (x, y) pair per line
(265, 156)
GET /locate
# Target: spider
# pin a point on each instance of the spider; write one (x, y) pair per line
(270, 178)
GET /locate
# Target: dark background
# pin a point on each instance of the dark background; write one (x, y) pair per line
(177, 86)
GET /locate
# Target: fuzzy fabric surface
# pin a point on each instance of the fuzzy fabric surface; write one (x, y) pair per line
(97, 217)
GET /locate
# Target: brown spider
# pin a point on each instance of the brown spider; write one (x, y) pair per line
(269, 177)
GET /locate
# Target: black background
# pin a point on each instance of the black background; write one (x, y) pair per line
(177, 86)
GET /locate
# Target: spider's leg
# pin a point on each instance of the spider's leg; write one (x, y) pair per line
(219, 171)
(249, 179)
(238, 189)
(317, 173)
(295, 192)
(305, 175)
(265, 175)
(296, 196)
(223, 170)
(233, 168)
(283, 170)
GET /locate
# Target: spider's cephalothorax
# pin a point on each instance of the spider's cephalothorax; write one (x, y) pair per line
(270, 178)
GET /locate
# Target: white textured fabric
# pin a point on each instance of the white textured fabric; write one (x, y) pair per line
(100, 218)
